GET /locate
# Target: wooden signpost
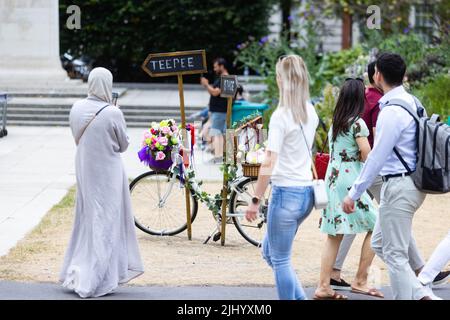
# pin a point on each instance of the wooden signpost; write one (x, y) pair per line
(228, 88)
(171, 64)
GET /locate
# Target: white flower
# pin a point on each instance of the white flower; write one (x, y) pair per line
(241, 147)
(155, 125)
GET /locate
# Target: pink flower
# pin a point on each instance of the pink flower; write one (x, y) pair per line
(163, 141)
(160, 155)
(175, 129)
(165, 130)
(147, 135)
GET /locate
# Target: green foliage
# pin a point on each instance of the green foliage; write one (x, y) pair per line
(427, 70)
(410, 46)
(394, 13)
(120, 34)
(246, 119)
(325, 109)
(212, 202)
(334, 66)
(435, 95)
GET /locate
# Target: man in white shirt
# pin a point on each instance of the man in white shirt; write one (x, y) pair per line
(400, 198)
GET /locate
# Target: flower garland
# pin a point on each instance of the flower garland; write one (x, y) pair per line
(213, 202)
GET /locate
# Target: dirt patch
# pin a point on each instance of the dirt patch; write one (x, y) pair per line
(177, 261)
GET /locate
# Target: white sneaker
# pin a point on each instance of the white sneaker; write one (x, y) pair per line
(429, 292)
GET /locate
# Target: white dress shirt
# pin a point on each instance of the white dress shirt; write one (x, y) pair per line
(395, 128)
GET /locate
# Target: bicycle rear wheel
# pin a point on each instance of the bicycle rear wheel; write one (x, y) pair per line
(159, 204)
(254, 231)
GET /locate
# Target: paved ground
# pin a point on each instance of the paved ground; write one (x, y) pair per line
(37, 169)
(46, 291)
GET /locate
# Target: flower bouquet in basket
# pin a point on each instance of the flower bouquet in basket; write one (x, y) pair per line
(251, 158)
(249, 151)
(158, 144)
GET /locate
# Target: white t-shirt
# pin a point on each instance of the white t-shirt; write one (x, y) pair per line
(293, 166)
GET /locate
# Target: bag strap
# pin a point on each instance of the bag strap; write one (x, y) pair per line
(420, 111)
(77, 141)
(402, 160)
(313, 167)
(404, 105)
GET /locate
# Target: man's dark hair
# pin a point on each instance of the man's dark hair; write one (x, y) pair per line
(240, 89)
(392, 67)
(371, 71)
(221, 62)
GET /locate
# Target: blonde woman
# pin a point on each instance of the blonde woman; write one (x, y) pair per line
(287, 165)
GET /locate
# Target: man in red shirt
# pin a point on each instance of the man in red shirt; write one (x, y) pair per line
(371, 107)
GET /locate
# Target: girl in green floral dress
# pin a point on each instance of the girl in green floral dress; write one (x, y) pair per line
(349, 146)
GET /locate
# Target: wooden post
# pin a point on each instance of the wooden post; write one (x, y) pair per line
(225, 180)
(171, 64)
(184, 133)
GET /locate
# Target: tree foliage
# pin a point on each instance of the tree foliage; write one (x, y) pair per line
(119, 34)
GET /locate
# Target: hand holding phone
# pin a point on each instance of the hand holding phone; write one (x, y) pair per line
(115, 96)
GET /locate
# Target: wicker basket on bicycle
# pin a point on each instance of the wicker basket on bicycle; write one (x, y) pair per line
(254, 125)
(250, 169)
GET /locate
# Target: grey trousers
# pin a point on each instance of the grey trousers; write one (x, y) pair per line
(415, 260)
(392, 236)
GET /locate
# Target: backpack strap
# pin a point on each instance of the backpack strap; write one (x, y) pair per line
(420, 112)
(404, 105)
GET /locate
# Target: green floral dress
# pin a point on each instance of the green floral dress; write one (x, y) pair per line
(343, 170)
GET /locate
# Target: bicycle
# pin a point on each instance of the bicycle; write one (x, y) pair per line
(162, 209)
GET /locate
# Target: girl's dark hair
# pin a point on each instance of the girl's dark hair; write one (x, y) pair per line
(349, 106)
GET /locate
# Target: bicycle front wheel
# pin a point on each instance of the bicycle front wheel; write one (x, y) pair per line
(159, 203)
(240, 199)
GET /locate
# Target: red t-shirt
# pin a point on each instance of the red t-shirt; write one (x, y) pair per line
(371, 110)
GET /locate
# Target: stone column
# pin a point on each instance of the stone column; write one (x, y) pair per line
(29, 43)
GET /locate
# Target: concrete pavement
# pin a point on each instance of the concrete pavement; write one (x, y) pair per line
(49, 291)
(37, 169)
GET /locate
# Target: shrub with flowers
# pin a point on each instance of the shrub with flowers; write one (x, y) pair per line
(158, 143)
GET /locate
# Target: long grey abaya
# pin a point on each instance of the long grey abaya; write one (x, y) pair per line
(103, 250)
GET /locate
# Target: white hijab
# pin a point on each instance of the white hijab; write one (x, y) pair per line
(100, 84)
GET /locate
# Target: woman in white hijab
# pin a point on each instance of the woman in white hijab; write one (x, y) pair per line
(103, 251)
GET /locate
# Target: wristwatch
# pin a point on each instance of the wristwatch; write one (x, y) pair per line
(255, 200)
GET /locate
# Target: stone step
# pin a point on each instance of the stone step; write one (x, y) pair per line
(43, 107)
(65, 117)
(57, 93)
(144, 112)
(65, 123)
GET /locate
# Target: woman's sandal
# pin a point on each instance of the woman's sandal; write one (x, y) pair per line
(371, 292)
(335, 296)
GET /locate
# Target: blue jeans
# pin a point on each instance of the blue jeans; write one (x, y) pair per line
(218, 123)
(288, 208)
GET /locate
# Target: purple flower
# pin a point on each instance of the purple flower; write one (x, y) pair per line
(239, 46)
(406, 30)
(290, 18)
(263, 40)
